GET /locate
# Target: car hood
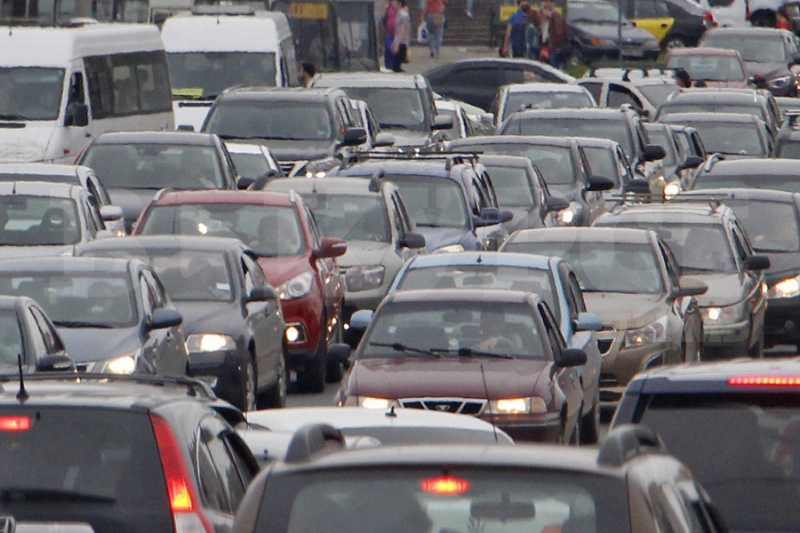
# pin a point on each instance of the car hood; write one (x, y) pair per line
(132, 201)
(782, 265)
(410, 377)
(624, 310)
(404, 137)
(280, 269)
(438, 237)
(13, 252)
(99, 344)
(208, 317)
(191, 112)
(26, 143)
(286, 151)
(630, 36)
(768, 70)
(723, 288)
(364, 253)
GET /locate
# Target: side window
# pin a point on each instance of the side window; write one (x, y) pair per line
(248, 278)
(742, 239)
(397, 219)
(673, 269)
(37, 337)
(159, 299)
(577, 294)
(645, 9)
(618, 95)
(596, 90)
(661, 9)
(93, 220)
(316, 234)
(556, 340)
(75, 96)
(211, 483)
(683, 141)
(254, 271)
(475, 77)
(232, 484)
(624, 165)
(148, 300)
(408, 222)
(531, 76)
(52, 344)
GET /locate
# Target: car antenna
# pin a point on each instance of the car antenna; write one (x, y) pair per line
(22, 395)
(390, 413)
(480, 259)
(489, 404)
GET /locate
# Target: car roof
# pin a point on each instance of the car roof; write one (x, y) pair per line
(597, 234)
(166, 242)
(338, 185)
(223, 197)
(460, 295)
(709, 117)
(513, 139)
(787, 167)
(752, 30)
(516, 161)
(43, 169)
(436, 168)
(684, 212)
(544, 88)
(533, 261)
(294, 94)
(192, 138)
(750, 195)
(370, 79)
(73, 265)
(39, 188)
(703, 51)
(713, 94)
(586, 113)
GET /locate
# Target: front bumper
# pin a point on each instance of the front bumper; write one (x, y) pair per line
(782, 321)
(221, 369)
(544, 427)
(619, 364)
(726, 341)
(304, 313)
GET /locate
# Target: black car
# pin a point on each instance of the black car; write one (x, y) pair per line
(562, 166)
(719, 173)
(134, 165)
(113, 314)
(787, 141)
(232, 317)
(300, 126)
(28, 338)
(676, 23)
(753, 137)
(476, 81)
(139, 454)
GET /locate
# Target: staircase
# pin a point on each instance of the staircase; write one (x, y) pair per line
(462, 30)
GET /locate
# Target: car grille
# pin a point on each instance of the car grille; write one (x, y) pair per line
(604, 345)
(287, 166)
(608, 380)
(461, 406)
(606, 339)
(81, 367)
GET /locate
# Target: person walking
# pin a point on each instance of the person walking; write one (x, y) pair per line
(514, 40)
(433, 18)
(389, 25)
(553, 31)
(402, 36)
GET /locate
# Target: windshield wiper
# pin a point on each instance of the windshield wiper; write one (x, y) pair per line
(396, 126)
(34, 494)
(81, 324)
(469, 352)
(399, 347)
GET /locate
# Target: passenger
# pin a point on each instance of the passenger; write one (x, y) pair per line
(493, 324)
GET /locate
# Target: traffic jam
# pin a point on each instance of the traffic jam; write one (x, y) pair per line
(266, 267)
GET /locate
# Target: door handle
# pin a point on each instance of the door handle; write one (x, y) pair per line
(665, 25)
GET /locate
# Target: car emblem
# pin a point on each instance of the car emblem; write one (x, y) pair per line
(442, 407)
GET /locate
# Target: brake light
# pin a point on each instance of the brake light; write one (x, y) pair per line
(444, 485)
(186, 518)
(708, 20)
(764, 381)
(15, 423)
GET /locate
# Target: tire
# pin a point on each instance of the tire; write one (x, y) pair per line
(590, 423)
(275, 396)
(312, 379)
(247, 392)
(675, 41)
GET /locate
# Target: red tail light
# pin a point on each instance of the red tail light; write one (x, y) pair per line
(764, 381)
(708, 20)
(182, 500)
(15, 423)
(444, 485)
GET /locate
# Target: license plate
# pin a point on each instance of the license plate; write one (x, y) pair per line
(635, 51)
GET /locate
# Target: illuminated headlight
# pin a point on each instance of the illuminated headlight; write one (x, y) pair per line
(779, 83)
(671, 189)
(786, 288)
(209, 342)
(570, 214)
(364, 278)
(513, 406)
(376, 403)
(125, 364)
(296, 287)
(319, 168)
(731, 313)
(651, 333)
(120, 233)
(450, 248)
(295, 333)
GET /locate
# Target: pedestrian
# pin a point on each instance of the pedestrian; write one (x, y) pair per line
(682, 78)
(553, 32)
(782, 19)
(514, 40)
(402, 36)
(307, 73)
(389, 22)
(433, 18)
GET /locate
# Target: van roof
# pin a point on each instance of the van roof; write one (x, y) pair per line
(260, 31)
(56, 46)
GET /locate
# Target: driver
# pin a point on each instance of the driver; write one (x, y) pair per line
(493, 323)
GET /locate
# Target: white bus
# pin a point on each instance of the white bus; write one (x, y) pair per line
(61, 86)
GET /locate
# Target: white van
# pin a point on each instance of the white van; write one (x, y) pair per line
(61, 86)
(211, 49)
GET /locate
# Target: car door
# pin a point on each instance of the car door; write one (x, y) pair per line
(754, 279)
(265, 321)
(155, 343)
(170, 352)
(595, 202)
(653, 17)
(585, 340)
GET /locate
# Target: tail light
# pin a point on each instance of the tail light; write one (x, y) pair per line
(708, 20)
(444, 485)
(182, 500)
(764, 381)
(15, 423)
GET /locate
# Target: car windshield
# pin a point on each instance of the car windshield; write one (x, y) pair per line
(661, 137)
(657, 93)
(757, 181)
(393, 108)
(594, 12)
(482, 276)
(250, 165)
(268, 230)
(409, 499)
(771, 226)
(207, 74)
(30, 93)
(512, 186)
(717, 138)
(350, 217)
(10, 338)
(155, 166)
(603, 266)
(444, 328)
(756, 472)
(433, 202)
(189, 275)
(91, 300)
(751, 48)
(615, 130)
(603, 163)
(38, 221)
(553, 162)
(276, 120)
(709, 67)
(517, 101)
(711, 107)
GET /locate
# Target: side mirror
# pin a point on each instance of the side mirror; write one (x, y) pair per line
(693, 161)
(688, 286)
(653, 152)
(413, 240)
(361, 319)
(442, 122)
(59, 362)
(383, 139)
(637, 186)
(491, 215)
(244, 183)
(599, 183)
(354, 137)
(165, 318)
(331, 247)
(757, 262)
(571, 357)
(555, 203)
(110, 213)
(262, 294)
(588, 322)
(77, 115)
(339, 353)
(757, 80)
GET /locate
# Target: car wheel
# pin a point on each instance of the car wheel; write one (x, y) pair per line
(333, 370)
(247, 399)
(312, 379)
(590, 423)
(675, 41)
(275, 396)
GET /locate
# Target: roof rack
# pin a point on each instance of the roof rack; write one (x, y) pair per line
(450, 158)
(627, 73)
(311, 440)
(628, 441)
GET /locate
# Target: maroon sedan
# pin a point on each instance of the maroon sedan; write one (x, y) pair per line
(495, 354)
(296, 259)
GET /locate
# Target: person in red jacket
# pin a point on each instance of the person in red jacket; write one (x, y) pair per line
(433, 18)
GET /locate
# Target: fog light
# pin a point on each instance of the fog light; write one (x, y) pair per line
(295, 333)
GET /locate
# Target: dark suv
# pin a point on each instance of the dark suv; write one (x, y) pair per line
(629, 484)
(299, 125)
(139, 455)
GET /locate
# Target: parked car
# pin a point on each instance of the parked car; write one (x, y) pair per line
(753, 138)
(520, 96)
(29, 342)
(710, 67)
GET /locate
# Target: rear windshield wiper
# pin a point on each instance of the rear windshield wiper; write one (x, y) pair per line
(399, 347)
(469, 352)
(25, 495)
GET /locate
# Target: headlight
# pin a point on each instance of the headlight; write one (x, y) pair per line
(364, 278)
(567, 216)
(375, 403)
(319, 168)
(296, 287)
(512, 406)
(125, 364)
(779, 83)
(450, 248)
(209, 342)
(731, 313)
(651, 333)
(671, 189)
(786, 288)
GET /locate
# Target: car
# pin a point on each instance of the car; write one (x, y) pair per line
(630, 279)
(562, 167)
(253, 161)
(112, 314)
(710, 245)
(30, 341)
(552, 278)
(232, 319)
(710, 67)
(448, 196)
(495, 354)
(787, 141)
(381, 235)
(514, 488)
(675, 23)
(606, 158)
(599, 32)
(402, 103)
(750, 409)
(519, 96)
(286, 242)
(476, 81)
(643, 89)
(120, 453)
(767, 52)
(688, 138)
(463, 125)
(721, 173)
(787, 103)
(753, 138)
(621, 125)
(134, 165)
(365, 119)
(300, 126)
(677, 167)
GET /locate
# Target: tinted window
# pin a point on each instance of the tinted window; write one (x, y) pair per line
(351, 217)
(124, 84)
(30, 93)
(393, 108)
(616, 130)
(771, 226)
(207, 74)
(545, 100)
(434, 202)
(603, 163)
(512, 186)
(38, 220)
(277, 120)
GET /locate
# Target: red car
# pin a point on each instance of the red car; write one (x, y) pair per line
(296, 259)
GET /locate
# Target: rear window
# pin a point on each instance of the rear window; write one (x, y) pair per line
(83, 465)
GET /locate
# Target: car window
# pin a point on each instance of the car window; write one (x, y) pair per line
(619, 95)
(211, 484)
(148, 299)
(224, 463)
(313, 228)
(650, 9)
(359, 217)
(595, 88)
(476, 78)
(575, 292)
(254, 271)
(673, 269)
(557, 343)
(156, 296)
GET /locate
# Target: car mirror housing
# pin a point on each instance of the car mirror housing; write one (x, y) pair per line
(59, 362)
(688, 286)
(492, 215)
(599, 183)
(354, 137)
(571, 357)
(383, 139)
(361, 319)
(588, 322)
(413, 240)
(653, 152)
(555, 203)
(339, 353)
(110, 213)
(165, 318)
(77, 115)
(442, 122)
(757, 262)
(262, 294)
(693, 161)
(331, 247)
(244, 183)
